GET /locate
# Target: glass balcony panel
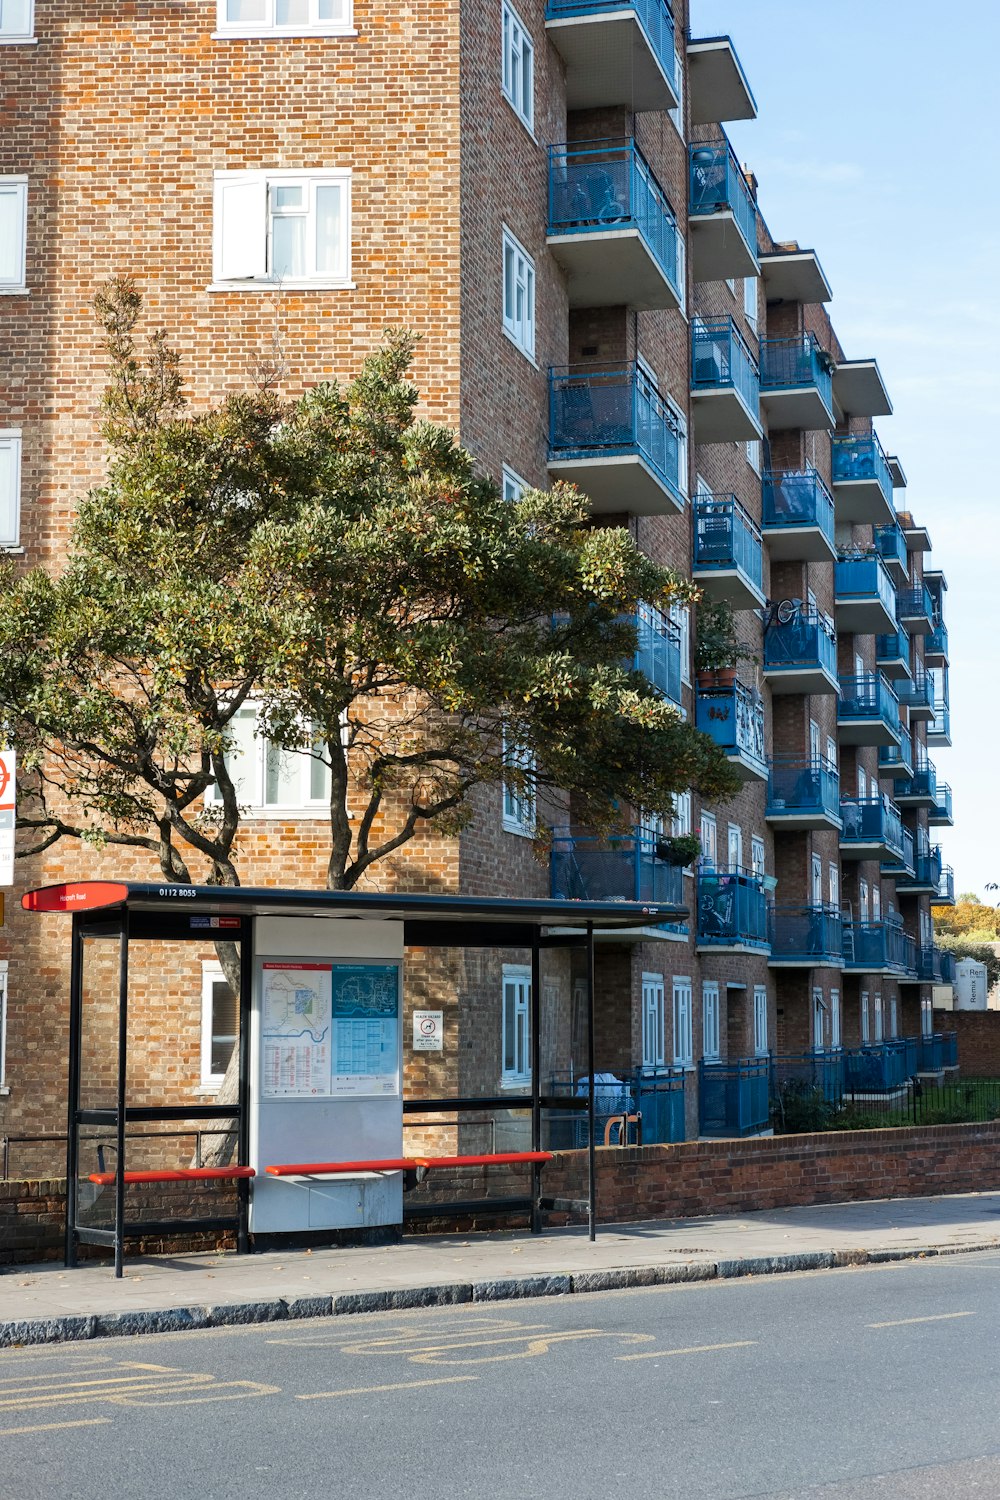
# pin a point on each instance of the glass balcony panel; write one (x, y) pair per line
(917, 696)
(914, 610)
(892, 655)
(600, 415)
(726, 543)
(897, 760)
(891, 546)
(732, 908)
(936, 646)
(941, 812)
(862, 482)
(797, 516)
(796, 385)
(868, 711)
(865, 595)
(725, 386)
(879, 946)
(718, 198)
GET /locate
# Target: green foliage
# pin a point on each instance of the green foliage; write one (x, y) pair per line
(973, 946)
(968, 918)
(344, 566)
(716, 644)
(799, 1108)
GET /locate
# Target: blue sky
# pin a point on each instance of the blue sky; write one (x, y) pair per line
(876, 145)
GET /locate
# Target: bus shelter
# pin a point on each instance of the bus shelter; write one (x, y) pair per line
(307, 1126)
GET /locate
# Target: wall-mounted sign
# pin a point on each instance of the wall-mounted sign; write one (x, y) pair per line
(428, 1030)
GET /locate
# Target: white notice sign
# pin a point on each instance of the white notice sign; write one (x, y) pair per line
(428, 1030)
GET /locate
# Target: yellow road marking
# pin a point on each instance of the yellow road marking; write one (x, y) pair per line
(401, 1385)
(933, 1318)
(532, 1347)
(400, 1342)
(694, 1349)
(55, 1426)
(246, 1388)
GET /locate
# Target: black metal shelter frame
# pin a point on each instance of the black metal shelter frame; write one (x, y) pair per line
(130, 912)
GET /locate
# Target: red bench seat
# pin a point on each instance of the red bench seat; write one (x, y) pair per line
(190, 1174)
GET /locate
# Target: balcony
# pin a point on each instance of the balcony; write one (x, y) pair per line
(725, 388)
(865, 597)
(862, 484)
(718, 85)
(890, 544)
(734, 718)
(919, 789)
(733, 913)
(940, 814)
(897, 760)
(795, 384)
(611, 227)
(936, 646)
(918, 538)
(872, 829)
(722, 214)
(611, 434)
(728, 555)
(800, 655)
(793, 276)
(584, 868)
(914, 610)
(880, 1067)
(806, 936)
(917, 697)
(868, 711)
(946, 888)
(879, 948)
(617, 52)
(803, 793)
(798, 517)
(933, 964)
(859, 390)
(734, 1097)
(658, 653)
(892, 655)
(900, 865)
(937, 1051)
(926, 875)
(939, 732)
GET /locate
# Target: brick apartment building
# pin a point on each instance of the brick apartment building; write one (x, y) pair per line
(546, 195)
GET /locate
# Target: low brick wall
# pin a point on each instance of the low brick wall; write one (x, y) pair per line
(978, 1034)
(32, 1216)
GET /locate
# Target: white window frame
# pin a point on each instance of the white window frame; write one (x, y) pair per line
(864, 909)
(4, 1085)
(683, 1022)
(758, 856)
(711, 1036)
(831, 752)
(270, 27)
(212, 973)
(818, 1020)
(680, 616)
(516, 1015)
(753, 452)
(10, 458)
(835, 1026)
(14, 189)
(879, 1018)
(709, 835)
(862, 784)
(876, 902)
(250, 216)
(677, 114)
(654, 1021)
(257, 806)
(927, 1018)
(834, 876)
(516, 43)
(866, 1017)
(760, 1040)
(512, 486)
(520, 330)
(817, 880)
(680, 823)
(893, 1018)
(750, 302)
(520, 809)
(734, 846)
(680, 422)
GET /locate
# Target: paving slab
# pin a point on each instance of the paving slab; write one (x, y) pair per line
(46, 1303)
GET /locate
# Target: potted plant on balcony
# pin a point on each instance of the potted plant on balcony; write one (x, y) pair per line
(681, 849)
(717, 651)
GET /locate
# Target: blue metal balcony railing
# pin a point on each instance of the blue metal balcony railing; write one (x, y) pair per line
(868, 696)
(891, 545)
(857, 458)
(615, 411)
(798, 786)
(658, 656)
(934, 965)
(721, 358)
(936, 643)
(897, 757)
(943, 808)
(927, 869)
(857, 578)
(797, 499)
(600, 185)
(941, 728)
(923, 782)
(946, 887)
(919, 693)
(584, 868)
(896, 865)
(914, 604)
(734, 718)
(732, 908)
(821, 1070)
(717, 184)
(937, 1051)
(656, 1094)
(733, 1097)
(871, 946)
(893, 648)
(726, 538)
(872, 820)
(806, 641)
(796, 363)
(654, 16)
(808, 932)
(879, 1067)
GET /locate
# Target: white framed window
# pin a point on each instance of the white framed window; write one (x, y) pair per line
(681, 821)
(753, 452)
(516, 1039)
(677, 115)
(518, 295)
(834, 875)
(17, 21)
(680, 426)
(876, 903)
(893, 1017)
(831, 751)
(758, 856)
(710, 1020)
(862, 783)
(866, 1019)
(250, 18)
(683, 1030)
(653, 1021)
(10, 487)
(734, 835)
(817, 880)
(287, 228)
(220, 1024)
(512, 486)
(519, 803)
(4, 1086)
(879, 1019)
(818, 1015)
(13, 229)
(709, 839)
(750, 301)
(269, 778)
(760, 1039)
(518, 66)
(863, 901)
(834, 1018)
(926, 1018)
(731, 284)
(814, 740)
(680, 616)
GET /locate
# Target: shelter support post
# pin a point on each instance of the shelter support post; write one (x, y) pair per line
(536, 1073)
(73, 1091)
(122, 1095)
(591, 1121)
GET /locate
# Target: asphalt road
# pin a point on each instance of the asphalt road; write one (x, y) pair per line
(870, 1384)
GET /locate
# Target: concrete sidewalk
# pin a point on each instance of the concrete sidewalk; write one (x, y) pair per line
(48, 1304)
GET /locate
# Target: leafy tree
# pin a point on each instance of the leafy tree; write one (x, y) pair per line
(967, 918)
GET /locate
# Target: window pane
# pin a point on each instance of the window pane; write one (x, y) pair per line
(250, 12)
(288, 246)
(14, 17)
(319, 777)
(329, 232)
(225, 1024)
(286, 197)
(508, 283)
(282, 777)
(9, 486)
(241, 758)
(291, 12)
(11, 219)
(331, 10)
